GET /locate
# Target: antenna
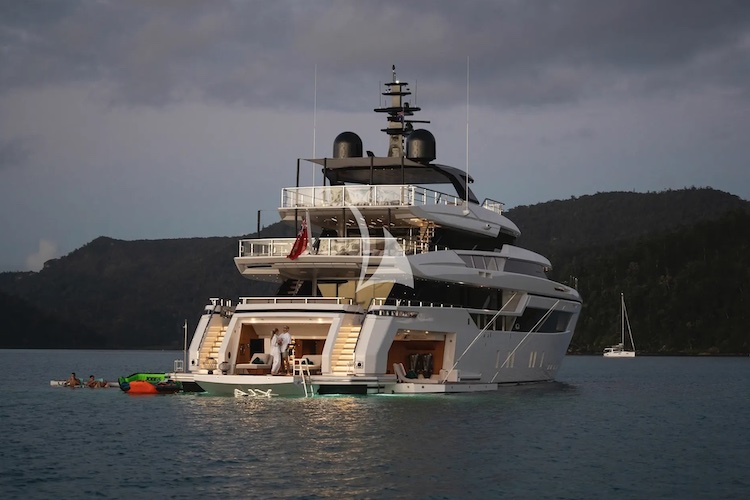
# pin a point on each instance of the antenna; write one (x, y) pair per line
(466, 198)
(315, 117)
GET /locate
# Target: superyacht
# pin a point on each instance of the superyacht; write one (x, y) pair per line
(411, 285)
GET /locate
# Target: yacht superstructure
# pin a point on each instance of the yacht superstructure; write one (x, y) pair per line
(407, 288)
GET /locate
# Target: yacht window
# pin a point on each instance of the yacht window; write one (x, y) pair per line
(479, 262)
(491, 263)
(556, 322)
(467, 260)
(523, 267)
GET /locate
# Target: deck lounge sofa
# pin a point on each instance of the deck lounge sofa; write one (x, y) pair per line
(312, 362)
(258, 363)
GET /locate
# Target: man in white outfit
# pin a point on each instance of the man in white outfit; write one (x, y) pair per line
(285, 338)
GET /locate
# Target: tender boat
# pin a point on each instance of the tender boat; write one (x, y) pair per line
(412, 286)
(149, 383)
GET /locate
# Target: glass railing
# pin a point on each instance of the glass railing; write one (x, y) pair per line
(495, 206)
(295, 300)
(379, 302)
(280, 247)
(359, 195)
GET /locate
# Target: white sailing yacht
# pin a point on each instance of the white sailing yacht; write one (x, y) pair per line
(618, 350)
(408, 288)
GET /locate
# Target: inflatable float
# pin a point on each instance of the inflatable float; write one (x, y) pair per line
(64, 383)
(149, 383)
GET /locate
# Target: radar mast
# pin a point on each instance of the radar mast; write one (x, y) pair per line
(399, 111)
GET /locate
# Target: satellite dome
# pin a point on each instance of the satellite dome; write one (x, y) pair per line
(347, 145)
(420, 146)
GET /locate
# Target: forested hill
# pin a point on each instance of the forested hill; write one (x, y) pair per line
(138, 292)
(687, 291)
(604, 218)
(681, 258)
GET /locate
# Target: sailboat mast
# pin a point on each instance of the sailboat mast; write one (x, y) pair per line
(622, 317)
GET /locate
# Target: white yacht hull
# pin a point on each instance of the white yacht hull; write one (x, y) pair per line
(467, 359)
(620, 354)
(225, 385)
(428, 388)
(407, 290)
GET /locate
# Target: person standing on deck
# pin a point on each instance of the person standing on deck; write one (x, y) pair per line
(275, 351)
(285, 340)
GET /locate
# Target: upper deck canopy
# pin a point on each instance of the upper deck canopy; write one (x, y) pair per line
(387, 170)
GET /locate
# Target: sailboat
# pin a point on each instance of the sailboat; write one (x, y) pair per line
(618, 350)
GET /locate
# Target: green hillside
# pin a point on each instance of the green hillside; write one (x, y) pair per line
(681, 258)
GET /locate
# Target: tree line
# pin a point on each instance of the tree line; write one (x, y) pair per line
(681, 257)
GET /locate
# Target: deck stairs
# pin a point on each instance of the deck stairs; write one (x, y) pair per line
(209, 351)
(426, 233)
(342, 355)
(294, 290)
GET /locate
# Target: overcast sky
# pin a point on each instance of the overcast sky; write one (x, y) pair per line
(169, 119)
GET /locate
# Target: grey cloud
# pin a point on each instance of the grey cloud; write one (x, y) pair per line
(526, 52)
(14, 153)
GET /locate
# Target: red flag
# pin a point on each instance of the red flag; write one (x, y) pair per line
(300, 244)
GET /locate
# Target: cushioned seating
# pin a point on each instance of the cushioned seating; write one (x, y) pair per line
(402, 376)
(312, 362)
(259, 361)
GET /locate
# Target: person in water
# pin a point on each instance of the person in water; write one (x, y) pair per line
(93, 383)
(73, 381)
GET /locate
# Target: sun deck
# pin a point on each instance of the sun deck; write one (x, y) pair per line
(388, 196)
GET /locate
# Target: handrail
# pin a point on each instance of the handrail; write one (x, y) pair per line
(396, 303)
(532, 330)
(386, 302)
(296, 300)
(492, 321)
(203, 336)
(381, 195)
(303, 371)
(494, 205)
(280, 247)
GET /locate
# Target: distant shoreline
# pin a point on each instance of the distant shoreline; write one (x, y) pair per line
(153, 349)
(670, 355)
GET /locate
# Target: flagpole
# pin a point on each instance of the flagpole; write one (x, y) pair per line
(184, 349)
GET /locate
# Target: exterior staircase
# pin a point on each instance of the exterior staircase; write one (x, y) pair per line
(342, 355)
(292, 288)
(295, 289)
(209, 352)
(426, 233)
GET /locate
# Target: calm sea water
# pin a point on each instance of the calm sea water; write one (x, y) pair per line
(648, 427)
